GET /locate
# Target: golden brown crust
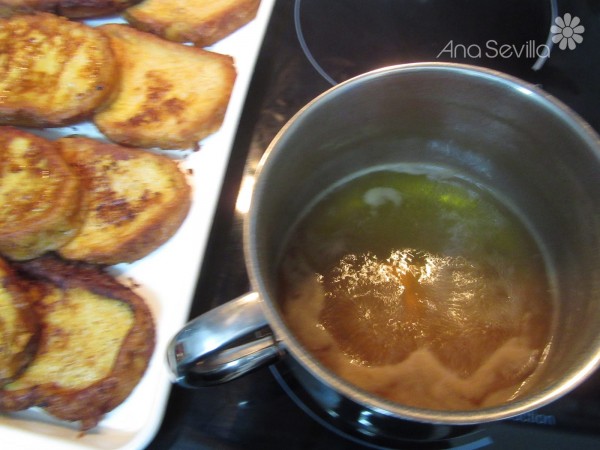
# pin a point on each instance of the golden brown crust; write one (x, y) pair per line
(76, 9)
(53, 72)
(170, 96)
(87, 404)
(40, 197)
(134, 201)
(198, 21)
(19, 326)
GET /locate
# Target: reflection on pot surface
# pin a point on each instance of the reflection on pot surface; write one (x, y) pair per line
(417, 286)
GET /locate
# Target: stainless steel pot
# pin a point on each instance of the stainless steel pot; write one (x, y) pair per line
(503, 134)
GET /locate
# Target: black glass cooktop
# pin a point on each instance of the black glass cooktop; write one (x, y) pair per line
(309, 46)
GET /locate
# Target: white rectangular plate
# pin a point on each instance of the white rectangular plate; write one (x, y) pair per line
(166, 278)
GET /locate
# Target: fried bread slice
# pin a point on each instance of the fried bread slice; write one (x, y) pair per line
(40, 196)
(133, 200)
(69, 8)
(96, 342)
(202, 22)
(53, 71)
(19, 325)
(169, 95)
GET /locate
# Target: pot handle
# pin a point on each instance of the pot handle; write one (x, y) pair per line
(223, 344)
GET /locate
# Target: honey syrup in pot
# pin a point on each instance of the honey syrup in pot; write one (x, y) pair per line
(420, 288)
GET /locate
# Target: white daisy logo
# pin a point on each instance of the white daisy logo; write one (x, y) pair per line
(567, 31)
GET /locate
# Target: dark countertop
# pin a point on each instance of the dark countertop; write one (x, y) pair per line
(255, 411)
